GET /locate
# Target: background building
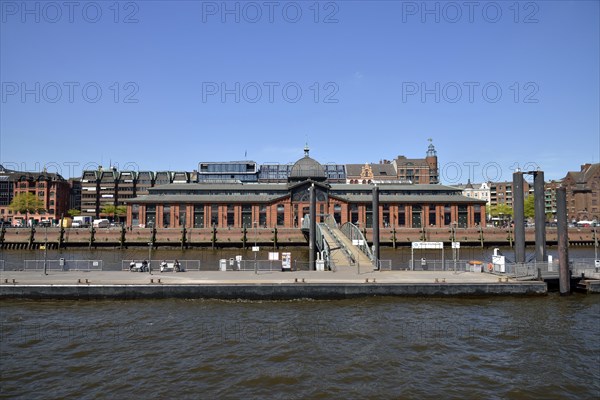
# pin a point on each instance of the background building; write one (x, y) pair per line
(51, 188)
(419, 170)
(583, 193)
(236, 204)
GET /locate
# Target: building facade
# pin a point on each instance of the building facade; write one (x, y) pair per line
(418, 170)
(502, 192)
(583, 193)
(101, 188)
(51, 188)
(284, 204)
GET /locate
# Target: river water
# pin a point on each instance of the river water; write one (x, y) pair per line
(484, 348)
(469, 348)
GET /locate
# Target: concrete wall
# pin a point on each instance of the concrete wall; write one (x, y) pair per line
(267, 291)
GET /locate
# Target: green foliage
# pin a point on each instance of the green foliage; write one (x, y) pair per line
(115, 211)
(73, 212)
(501, 210)
(26, 203)
(529, 205)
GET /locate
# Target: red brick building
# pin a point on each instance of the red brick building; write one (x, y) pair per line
(284, 204)
(583, 193)
(51, 188)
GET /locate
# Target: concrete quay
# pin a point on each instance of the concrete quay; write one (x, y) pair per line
(262, 286)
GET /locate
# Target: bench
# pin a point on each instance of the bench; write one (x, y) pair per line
(138, 267)
(170, 267)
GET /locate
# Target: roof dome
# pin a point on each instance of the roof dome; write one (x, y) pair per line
(307, 168)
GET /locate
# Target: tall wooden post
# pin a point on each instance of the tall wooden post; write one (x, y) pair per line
(519, 217)
(564, 280)
(312, 232)
(540, 216)
(376, 227)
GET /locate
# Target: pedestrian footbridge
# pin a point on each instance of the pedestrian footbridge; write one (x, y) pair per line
(341, 246)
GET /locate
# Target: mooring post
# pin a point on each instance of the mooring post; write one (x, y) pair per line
(375, 227)
(123, 238)
(540, 216)
(312, 230)
(564, 280)
(183, 238)
(519, 217)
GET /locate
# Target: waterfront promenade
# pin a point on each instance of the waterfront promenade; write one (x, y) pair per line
(268, 285)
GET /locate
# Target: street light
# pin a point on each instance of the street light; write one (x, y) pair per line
(595, 246)
(150, 257)
(255, 248)
(46, 252)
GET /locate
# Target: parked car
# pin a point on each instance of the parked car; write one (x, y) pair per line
(101, 223)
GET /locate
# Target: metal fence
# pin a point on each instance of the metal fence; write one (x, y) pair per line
(63, 265)
(186, 265)
(585, 263)
(1, 265)
(268, 265)
(302, 266)
(522, 270)
(384, 265)
(440, 265)
(255, 265)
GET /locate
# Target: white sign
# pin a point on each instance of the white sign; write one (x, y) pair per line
(255, 248)
(499, 263)
(456, 245)
(357, 242)
(286, 260)
(273, 256)
(427, 245)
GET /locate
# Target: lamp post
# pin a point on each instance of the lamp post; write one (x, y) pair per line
(595, 245)
(46, 252)
(150, 258)
(255, 249)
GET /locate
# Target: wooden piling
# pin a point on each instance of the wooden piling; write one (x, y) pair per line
(564, 279)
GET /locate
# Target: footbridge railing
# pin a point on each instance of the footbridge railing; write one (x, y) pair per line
(332, 227)
(322, 245)
(358, 239)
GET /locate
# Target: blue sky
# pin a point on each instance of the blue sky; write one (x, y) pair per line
(156, 85)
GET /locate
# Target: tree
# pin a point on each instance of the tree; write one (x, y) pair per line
(501, 210)
(73, 212)
(115, 211)
(26, 203)
(529, 206)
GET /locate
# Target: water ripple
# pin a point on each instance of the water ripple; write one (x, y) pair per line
(368, 348)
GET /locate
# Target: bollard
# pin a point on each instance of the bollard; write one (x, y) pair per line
(151, 280)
